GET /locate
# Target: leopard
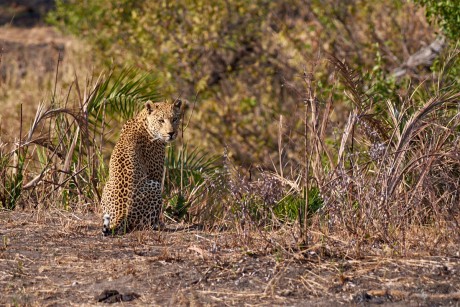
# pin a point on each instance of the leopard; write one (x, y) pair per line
(132, 196)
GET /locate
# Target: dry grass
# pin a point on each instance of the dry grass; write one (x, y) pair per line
(393, 172)
(29, 57)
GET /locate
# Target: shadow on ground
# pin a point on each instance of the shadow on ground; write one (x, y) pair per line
(24, 13)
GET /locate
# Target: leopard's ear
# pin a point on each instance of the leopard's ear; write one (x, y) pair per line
(149, 106)
(177, 104)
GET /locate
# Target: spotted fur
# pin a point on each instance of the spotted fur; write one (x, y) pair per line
(132, 195)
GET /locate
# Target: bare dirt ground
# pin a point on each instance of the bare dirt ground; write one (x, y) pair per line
(59, 259)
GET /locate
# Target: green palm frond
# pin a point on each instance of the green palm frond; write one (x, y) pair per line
(122, 94)
(192, 165)
(189, 173)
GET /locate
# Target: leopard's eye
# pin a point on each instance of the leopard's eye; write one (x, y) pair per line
(161, 121)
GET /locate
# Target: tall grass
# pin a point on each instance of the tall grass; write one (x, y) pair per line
(393, 165)
(389, 170)
(390, 177)
(60, 159)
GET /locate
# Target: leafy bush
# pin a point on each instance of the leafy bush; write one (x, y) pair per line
(243, 57)
(446, 13)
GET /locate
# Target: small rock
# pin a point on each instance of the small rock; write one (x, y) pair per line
(286, 292)
(106, 294)
(130, 296)
(113, 296)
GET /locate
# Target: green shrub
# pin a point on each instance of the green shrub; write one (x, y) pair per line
(289, 207)
(446, 13)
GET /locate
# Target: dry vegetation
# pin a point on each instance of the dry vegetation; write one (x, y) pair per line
(327, 184)
(29, 57)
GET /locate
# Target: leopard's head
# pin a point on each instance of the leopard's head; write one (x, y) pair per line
(163, 119)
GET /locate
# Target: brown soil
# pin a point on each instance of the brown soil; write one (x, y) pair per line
(60, 259)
